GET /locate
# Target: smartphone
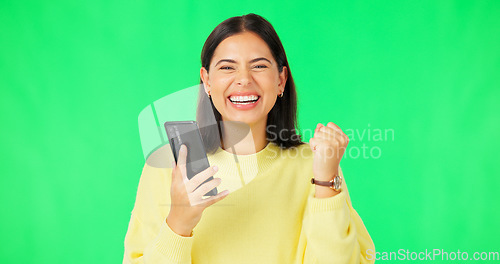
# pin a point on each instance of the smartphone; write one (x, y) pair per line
(188, 133)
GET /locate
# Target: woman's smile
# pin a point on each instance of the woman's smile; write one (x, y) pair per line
(243, 100)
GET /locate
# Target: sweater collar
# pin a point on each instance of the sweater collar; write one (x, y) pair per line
(246, 166)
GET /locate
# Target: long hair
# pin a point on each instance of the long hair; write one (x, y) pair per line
(282, 119)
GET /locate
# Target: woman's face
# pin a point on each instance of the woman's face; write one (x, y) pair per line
(243, 69)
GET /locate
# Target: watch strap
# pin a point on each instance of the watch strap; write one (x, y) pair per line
(330, 184)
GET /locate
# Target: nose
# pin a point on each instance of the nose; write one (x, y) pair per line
(243, 78)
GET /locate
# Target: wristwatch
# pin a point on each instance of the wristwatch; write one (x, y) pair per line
(334, 184)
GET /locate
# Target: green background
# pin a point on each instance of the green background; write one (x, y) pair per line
(74, 77)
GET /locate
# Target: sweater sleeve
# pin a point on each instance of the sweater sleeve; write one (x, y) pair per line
(334, 231)
(149, 239)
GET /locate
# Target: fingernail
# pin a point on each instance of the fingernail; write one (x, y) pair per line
(216, 168)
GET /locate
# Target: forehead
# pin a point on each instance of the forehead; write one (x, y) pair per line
(242, 46)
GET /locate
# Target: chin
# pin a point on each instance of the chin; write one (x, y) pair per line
(243, 119)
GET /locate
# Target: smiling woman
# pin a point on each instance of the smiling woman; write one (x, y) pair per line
(244, 76)
(244, 56)
(277, 216)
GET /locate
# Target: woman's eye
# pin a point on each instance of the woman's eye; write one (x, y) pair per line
(261, 66)
(225, 68)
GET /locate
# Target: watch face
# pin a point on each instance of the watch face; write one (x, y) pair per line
(337, 182)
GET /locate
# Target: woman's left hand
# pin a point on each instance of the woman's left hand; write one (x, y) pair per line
(328, 144)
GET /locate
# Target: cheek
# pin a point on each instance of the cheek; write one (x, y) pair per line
(219, 84)
(267, 80)
(219, 79)
(269, 101)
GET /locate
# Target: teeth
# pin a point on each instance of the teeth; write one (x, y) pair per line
(243, 98)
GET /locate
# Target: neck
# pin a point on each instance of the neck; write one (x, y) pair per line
(243, 139)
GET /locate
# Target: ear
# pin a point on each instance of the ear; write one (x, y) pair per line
(204, 79)
(283, 77)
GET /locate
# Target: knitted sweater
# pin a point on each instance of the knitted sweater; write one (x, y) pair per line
(270, 216)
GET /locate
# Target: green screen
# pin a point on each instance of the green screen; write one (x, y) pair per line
(414, 84)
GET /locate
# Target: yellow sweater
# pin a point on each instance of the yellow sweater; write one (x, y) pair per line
(269, 216)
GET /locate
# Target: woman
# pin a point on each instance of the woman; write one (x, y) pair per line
(278, 216)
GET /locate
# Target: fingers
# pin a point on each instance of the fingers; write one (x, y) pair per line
(321, 127)
(316, 142)
(318, 127)
(333, 125)
(333, 130)
(195, 195)
(214, 199)
(341, 133)
(326, 132)
(200, 178)
(206, 187)
(332, 136)
(329, 133)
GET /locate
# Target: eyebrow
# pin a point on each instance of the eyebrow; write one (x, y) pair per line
(233, 61)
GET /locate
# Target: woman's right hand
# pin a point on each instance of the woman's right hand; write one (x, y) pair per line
(187, 204)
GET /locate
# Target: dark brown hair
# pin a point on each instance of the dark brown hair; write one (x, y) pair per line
(282, 117)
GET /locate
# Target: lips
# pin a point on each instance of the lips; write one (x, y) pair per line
(243, 93)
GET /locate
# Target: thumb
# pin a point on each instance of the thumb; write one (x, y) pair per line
(174, 168)
(181, 162)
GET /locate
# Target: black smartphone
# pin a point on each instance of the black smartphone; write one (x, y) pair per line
(188, 133)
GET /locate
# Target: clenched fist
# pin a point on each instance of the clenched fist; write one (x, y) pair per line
(328, 144)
